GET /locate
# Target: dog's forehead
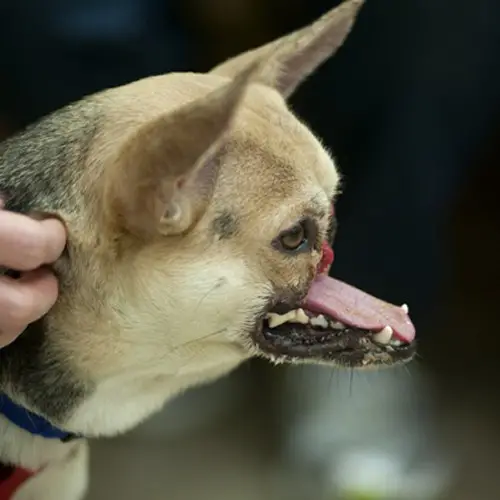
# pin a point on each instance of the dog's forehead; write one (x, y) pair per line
(270, 148)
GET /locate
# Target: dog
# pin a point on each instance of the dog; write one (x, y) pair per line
(200, 215)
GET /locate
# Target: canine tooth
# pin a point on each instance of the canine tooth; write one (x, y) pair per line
(293, 316)
(337, 325)
(319, 321)
(405, 308)
(275, 320)
(384, 336)
(301, 317)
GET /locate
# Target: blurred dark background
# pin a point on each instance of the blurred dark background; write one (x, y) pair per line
(410, 108)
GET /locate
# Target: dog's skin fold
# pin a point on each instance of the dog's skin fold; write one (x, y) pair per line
(172, 190)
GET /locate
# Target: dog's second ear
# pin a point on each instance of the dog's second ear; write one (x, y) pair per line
(163, 177)
(291, 59)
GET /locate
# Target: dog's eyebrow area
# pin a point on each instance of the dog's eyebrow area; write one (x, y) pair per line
(225, 225)
(316, 209)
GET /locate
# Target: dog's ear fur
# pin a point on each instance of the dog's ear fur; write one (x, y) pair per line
(291, 59)
(163, 177)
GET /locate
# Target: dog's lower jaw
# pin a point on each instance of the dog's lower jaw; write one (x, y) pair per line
(293, 343)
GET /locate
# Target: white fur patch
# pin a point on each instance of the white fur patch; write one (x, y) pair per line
(66, 479)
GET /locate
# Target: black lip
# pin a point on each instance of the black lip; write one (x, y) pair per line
(350, 347)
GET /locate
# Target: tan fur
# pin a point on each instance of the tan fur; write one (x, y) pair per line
(155, 296)
(144, 284)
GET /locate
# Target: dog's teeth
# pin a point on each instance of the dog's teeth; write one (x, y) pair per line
(405, 308)
(396, 342)
(320, 321)
(384, 336)
(337, 325)
(293, 316)
(275, 320)
(301, 317)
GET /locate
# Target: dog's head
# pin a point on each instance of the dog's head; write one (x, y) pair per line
(199, 218)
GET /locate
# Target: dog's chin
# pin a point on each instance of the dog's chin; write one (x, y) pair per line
(342, 346)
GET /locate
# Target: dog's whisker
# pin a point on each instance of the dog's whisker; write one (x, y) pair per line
(200, 339)
(204, 297)
(408, 371)
(161, 343)
(332, 373)
(207, 294)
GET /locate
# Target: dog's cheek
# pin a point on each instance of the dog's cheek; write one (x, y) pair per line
(202, 297)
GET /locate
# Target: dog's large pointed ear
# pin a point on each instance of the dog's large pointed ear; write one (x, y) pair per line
(163, 177)
(291, 59)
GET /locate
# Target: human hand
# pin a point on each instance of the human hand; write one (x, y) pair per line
(27, 245)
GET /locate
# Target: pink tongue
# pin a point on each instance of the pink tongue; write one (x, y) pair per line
(356, 308)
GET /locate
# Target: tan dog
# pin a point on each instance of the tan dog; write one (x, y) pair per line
(197, 208)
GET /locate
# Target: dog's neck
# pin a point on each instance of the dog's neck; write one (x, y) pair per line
(31, 422)
(27, 420)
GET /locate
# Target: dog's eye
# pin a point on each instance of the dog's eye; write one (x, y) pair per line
(298, 238)
(294, 238)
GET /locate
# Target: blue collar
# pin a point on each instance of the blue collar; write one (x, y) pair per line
(30, 422)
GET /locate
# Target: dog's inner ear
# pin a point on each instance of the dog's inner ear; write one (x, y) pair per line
(163, 177)
(291, 59)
